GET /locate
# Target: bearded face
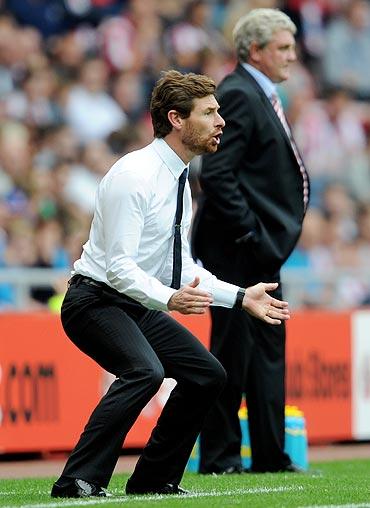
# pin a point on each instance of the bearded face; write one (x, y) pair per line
(202, 130)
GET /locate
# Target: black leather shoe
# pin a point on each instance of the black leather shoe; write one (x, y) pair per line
(228, 470)
(78, 488)
(233, 470)
(167, 489)
(291, 468)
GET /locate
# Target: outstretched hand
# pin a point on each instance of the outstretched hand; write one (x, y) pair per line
(190, 300)
(263, 306)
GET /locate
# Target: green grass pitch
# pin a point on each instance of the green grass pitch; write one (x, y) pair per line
(330, 484)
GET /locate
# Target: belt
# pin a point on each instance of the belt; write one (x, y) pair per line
(76, 280)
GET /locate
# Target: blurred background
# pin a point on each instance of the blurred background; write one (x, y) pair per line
(75, 82)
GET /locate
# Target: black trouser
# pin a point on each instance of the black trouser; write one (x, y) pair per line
(140, 347)
(253, 354)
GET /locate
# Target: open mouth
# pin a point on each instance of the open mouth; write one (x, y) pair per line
(217, 139)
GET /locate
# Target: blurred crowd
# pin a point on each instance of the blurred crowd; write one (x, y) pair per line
(75, 82)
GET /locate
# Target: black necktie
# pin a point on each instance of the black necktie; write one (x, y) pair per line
(177, 262)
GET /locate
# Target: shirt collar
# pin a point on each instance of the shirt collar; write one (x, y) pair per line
(264, 82)
(169, 157)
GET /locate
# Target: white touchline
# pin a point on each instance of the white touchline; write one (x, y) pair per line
(129, 499)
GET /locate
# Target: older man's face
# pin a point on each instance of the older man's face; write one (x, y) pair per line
(275, 58)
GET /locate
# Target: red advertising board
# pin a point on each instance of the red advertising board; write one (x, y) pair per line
(48, 387)
(319, 372)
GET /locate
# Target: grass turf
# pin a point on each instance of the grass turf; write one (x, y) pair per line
(340, 483)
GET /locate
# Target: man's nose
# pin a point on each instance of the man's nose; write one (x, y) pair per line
(292, 55)
(220, 122)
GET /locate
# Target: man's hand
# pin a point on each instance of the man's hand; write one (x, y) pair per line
(263, 306)
(190, 300)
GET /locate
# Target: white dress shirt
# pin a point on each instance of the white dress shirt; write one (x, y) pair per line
(130, 247)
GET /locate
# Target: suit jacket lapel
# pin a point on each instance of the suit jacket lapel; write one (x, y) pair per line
(266, 103)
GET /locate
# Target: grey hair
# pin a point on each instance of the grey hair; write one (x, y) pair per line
(259, 26)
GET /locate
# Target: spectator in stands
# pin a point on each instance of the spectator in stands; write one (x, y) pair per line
(35, 104)
(340, 207)
(347, 48)
(314, 256)
(131, 41)
(363, 232)
(7, 293)
(129, 138)
(21, 247)
(239, 8)
(48, 16)
(7, 38)
(58, 144)
(69, 51)
(363, 244)
(15, 159)
(332, 140)
(131, 94)
(90, 110)
(190, 39)
(50, 253)
(83, 178)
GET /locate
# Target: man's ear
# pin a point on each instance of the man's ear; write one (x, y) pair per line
(254, 52)
(175, 119)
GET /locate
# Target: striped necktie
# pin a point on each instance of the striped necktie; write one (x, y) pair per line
(177, 261)
(276, 104)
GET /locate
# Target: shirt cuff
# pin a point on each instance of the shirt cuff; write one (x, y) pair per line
(224, 294)
(162, 295)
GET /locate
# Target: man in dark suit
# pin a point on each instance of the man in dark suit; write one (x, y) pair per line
(249, 220)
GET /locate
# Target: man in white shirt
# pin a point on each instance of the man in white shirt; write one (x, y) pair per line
(113, 310)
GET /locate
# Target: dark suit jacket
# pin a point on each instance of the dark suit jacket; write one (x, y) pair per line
(252, 208)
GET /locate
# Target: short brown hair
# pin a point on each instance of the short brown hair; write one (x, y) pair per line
(177, 91)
